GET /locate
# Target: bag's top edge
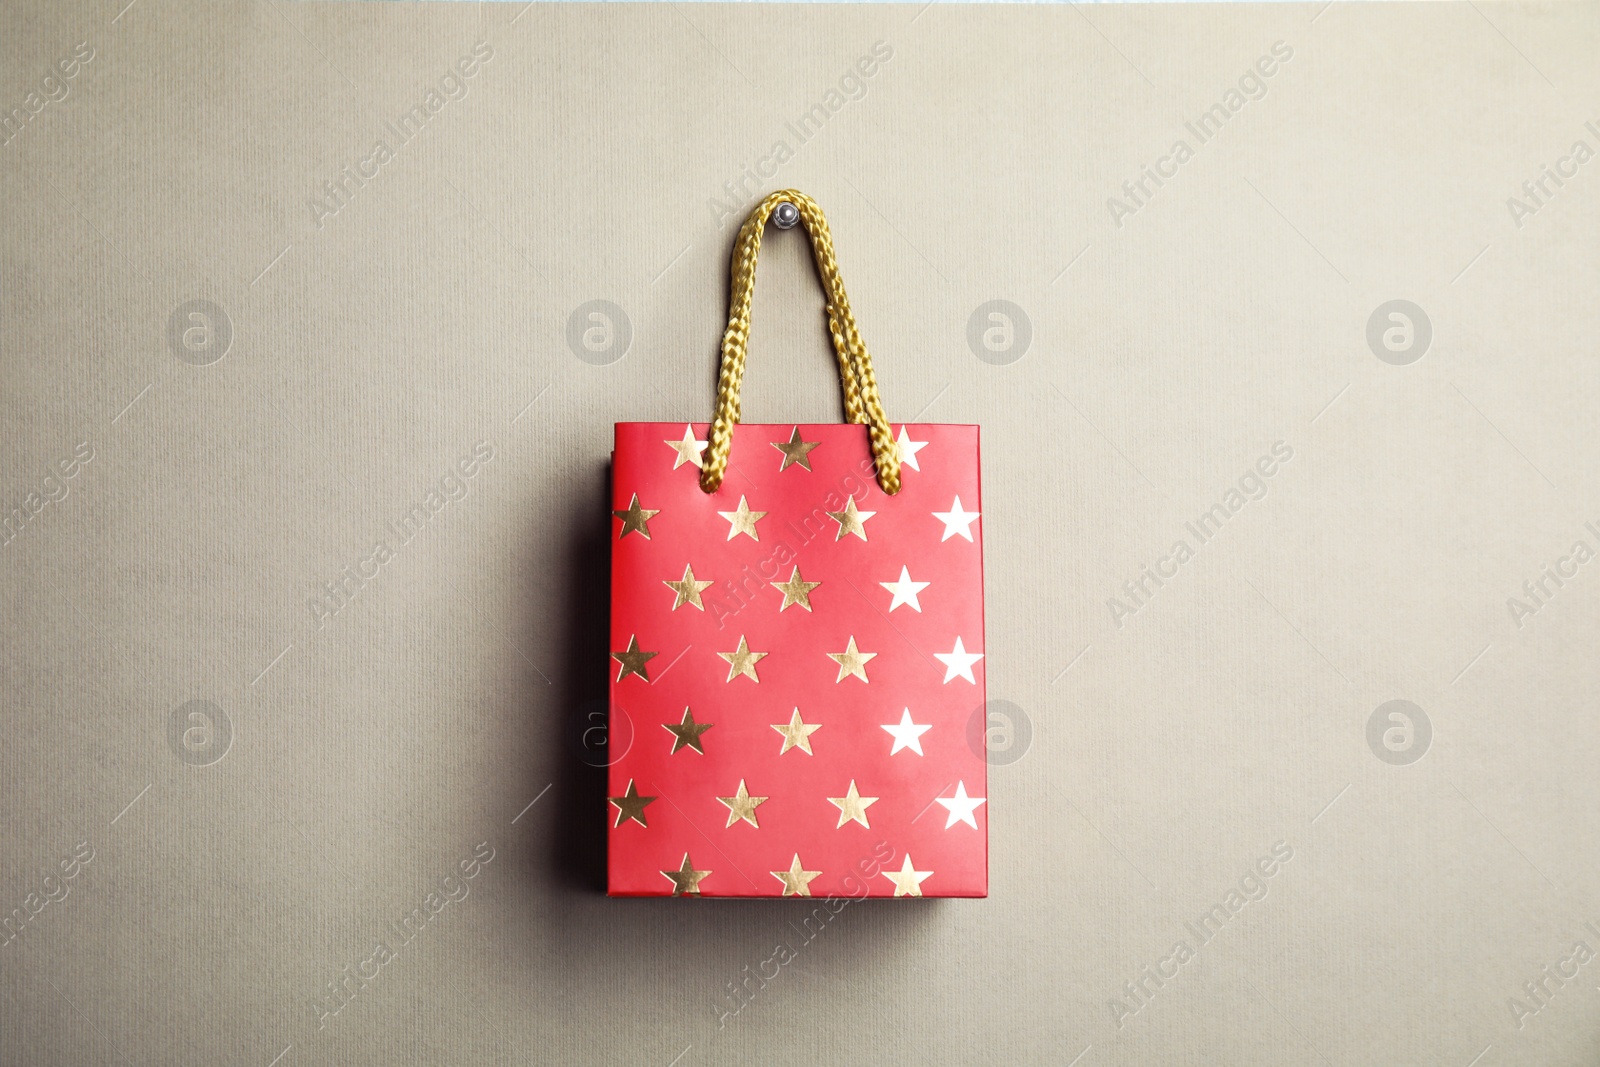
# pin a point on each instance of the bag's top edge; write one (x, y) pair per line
(789, 425)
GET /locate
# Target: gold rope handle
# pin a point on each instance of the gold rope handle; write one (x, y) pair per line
(861, 403)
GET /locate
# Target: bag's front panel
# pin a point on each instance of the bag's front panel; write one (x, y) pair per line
(798, 661)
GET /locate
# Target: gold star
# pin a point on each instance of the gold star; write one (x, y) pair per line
(688, 589)
(851, 661)
(795, 451)
(686, 734)
(633, 661)
(853, 806)
(630, 805)
(743, 521)
(850, 520)
(907, 881)
(795, 591)
(686, 879)
(797, 734)
(742, 661)
(796, 882)
(635, 518)
(742, 806)
(688, 449)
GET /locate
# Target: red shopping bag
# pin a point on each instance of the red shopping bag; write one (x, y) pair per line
(797, 680)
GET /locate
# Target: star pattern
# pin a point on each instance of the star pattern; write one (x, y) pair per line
(796, 733)
(635, 519)
(853, 806)
(957, 522)
(909, 449)
(796, 880)
(795, 591)
(851, 520)
(630, 805)
(960, 806)
(907, 882)
(743, 521)
(741, 661)
(795, 451)
(742, 806)
(906, 733)
(852, 661)
(688, 449)
(686, 880)
(688, 590)
(634, 661)
(905, 591)
(958, 662)
(849, 572)
(686, 732)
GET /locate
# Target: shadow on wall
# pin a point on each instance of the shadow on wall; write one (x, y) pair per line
(580, 705)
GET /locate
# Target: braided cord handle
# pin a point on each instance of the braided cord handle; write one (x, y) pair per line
(861, 402)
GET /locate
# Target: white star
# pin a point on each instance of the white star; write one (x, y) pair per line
(906, 733)
(909, 449)
(957, 523)
(958, 662)
(688, 449)
(961, 807)
(905, 590)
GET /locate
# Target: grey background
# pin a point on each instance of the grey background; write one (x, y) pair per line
(372, 750)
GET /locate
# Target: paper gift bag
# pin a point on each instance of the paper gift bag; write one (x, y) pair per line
(797, 675)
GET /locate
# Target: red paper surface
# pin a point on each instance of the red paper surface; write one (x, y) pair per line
(851, 745)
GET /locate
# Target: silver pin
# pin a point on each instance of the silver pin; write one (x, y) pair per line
(786, 215)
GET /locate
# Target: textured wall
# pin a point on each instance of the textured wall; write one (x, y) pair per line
(1236, 502)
